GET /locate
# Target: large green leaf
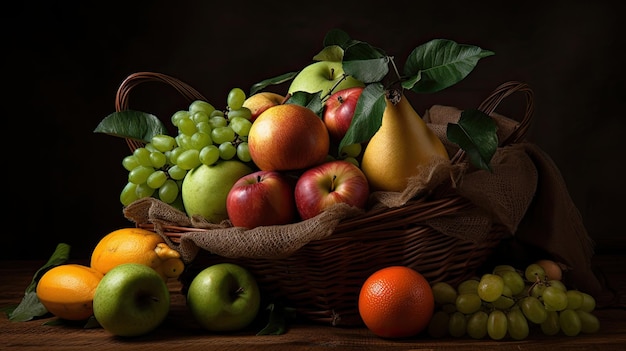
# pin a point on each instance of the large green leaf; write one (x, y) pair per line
(332, 53)
(367, 71)
(476, 134)
(132, 125)
(312, 101)
(337, 37)
(30, 306)
(368, 115)
(440, 63)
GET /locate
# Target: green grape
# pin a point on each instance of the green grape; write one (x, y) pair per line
(204, 127)
(497, 325)
(143, 156)
(502, 268)
(163, 142)
(200, 117)
(178, 115)
(457, 324)
(143, 190)
(201, 106)
(209, 155)
(517, 325)
(513, 280)
(184, 141)
(176, 172)
(242, 112)
(589, 323)
(534, 272)
(574, 299)
(468, 303)
(200, 140)
(443, 293)
(557, 284)
(551, 325)
(589, 303)
(477, 325)
(570, 322)
(490, 287)
(139, 175)
(169, 191)
(175, 153)
(222, 135)
(130, 162)
(156, 179)
(227, 151)
(128, 194)
(537, 290)
(240, 125)
(189, 159)
(235, 98)
(503, 302)
(158, 159)
(438, 325)
(468, 286)
(243, 152)
(217, 113)
(554, 298)
(218, 121)
(533, 309)
(352, 150)
(150, 147)
(187, 126)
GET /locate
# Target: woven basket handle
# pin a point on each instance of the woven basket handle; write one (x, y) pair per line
(490, 104)
(123, 93)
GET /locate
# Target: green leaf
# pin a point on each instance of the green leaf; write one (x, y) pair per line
(441, 63)
(368, 115)
(330, 53)
(30, 306)
(336, 37)
(132, 125)
(359, 50)
(367, 71)
(312, 101)
(278, 319)
(476, 135)
(271, 81)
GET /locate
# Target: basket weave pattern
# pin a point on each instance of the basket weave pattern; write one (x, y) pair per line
(322, 280)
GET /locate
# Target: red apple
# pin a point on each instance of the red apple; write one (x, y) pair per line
(288, 137)
(260, 102)
(330, 183)
(261, 198)
(339, 110)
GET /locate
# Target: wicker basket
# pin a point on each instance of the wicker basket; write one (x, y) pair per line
(322, 279)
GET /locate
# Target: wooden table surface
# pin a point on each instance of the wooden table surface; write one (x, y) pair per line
(179, 331)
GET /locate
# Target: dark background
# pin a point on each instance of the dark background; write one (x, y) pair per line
(63, 63)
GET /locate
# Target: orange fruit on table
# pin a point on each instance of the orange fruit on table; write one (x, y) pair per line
(396, 302)
(67, 291)
(136, 245)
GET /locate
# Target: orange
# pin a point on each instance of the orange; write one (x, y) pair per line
(67, 291)
(396, 302)
(136, 245)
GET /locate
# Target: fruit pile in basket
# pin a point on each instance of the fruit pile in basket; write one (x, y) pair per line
(343, 129)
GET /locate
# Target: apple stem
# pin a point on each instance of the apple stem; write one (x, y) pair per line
(332, 183)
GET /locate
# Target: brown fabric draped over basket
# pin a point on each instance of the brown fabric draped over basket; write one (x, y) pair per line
(445, 225)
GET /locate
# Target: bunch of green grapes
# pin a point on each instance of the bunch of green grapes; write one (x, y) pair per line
(205, 136)
(509, 302)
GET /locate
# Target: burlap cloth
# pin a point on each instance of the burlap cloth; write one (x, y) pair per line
(525, 193)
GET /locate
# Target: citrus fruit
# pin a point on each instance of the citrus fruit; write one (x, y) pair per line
(67, 290)
(396, 302)
(136, 245)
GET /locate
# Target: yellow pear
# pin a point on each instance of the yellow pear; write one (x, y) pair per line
(402, 144)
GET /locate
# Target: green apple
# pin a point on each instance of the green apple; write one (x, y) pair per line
(323, 76)
(131, 300)
(224, 297)
(205, 188)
